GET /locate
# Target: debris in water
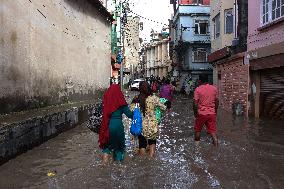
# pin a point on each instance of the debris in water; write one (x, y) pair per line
(51, 173)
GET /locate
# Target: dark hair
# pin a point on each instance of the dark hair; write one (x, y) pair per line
(167, 81)
(145, 91)
(203, 78)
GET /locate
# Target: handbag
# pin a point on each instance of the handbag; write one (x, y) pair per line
(136, 124)
(158, 112)
(95, 118)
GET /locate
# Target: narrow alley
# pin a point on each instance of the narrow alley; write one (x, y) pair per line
(250, 155)
(68, 68)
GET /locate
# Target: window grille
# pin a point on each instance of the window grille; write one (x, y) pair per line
(271, 10)
(199, 55)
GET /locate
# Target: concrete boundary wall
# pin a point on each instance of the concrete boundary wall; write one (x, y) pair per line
(16, 138)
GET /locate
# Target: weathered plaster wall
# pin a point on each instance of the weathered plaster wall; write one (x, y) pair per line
(131, 42)
(187, 20)
(219, 6)
(50, 52)
(262, 38)
(189, 35)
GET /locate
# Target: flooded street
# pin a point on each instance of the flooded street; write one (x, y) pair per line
(250, 155)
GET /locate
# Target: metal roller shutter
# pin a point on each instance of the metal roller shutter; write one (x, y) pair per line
(272, 93)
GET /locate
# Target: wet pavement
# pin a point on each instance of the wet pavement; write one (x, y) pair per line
(250, 155)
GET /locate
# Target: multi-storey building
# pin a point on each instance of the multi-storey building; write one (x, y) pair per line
(157, 56)
(228, 23)
(116, 7)
(266, 57)
(125, 40)
(190, 41)
(131, 45)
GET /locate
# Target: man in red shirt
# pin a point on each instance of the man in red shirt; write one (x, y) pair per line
(205, 108)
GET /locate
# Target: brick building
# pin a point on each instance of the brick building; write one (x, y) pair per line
(228, 41)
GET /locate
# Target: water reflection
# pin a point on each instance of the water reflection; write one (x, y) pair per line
(250, 155)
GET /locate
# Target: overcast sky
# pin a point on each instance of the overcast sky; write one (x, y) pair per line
(158, 10)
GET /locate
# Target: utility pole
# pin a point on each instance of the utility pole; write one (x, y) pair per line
(123, 21)
(121, 42)
(123, 60)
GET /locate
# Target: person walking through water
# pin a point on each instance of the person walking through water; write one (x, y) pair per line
(205, 108)
(150, 131)
(112, 136)
(166, 92)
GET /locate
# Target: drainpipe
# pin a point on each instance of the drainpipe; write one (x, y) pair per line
(235, 41)
(236, 18)
(181, 31)
(175, 6)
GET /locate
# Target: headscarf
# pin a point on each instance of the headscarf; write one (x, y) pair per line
(145, 91)
(112, 100)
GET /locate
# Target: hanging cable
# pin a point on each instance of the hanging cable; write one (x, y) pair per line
(147, 18)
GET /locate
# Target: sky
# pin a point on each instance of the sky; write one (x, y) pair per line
(158, 10)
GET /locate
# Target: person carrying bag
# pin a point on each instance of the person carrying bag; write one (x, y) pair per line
(147, 104)
(136, 124)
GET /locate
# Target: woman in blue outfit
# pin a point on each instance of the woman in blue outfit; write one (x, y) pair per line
(112, 136)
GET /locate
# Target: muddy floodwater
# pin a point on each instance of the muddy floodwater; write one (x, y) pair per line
(250, 155)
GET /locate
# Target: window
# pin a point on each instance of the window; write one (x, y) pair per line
(201, 27)
(198, 2)
(277, 9)
(265, 11)
(271, 10)
(199, 55)
(229, 21)
(216, 22)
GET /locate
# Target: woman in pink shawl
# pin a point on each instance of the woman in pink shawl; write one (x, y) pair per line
(166, 92)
